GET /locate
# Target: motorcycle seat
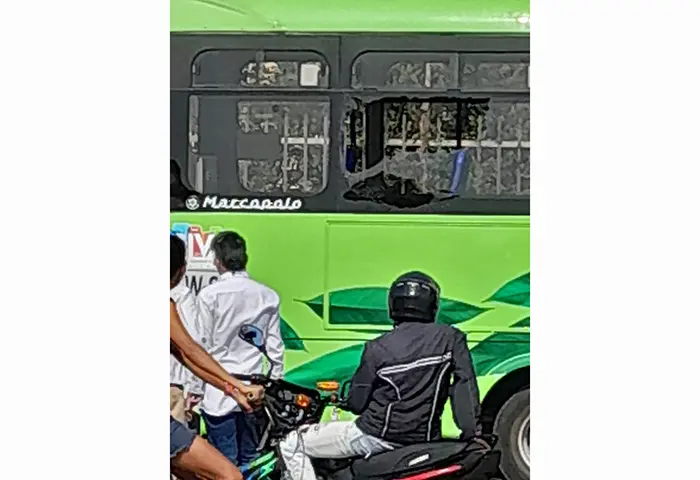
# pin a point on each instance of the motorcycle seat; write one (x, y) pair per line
(410, 458)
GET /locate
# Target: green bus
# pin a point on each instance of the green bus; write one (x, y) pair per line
(349, 144)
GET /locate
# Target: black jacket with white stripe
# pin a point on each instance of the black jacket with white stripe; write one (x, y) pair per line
(403, 381)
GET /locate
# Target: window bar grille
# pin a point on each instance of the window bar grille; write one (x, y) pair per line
(479, 138)
(397, 142)
(519, 156)
(285, 151)
(326, 146)
(363, 157)
(404, 130)
(193, 173)
(305, 165)
(499, 153)
(246, 181)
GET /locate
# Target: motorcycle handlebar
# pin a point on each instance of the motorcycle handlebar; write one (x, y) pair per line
(247, 378)
(335, 400)
(256, 379)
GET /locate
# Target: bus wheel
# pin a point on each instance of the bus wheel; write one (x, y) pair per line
(513, 429)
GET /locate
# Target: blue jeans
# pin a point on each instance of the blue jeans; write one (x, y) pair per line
(235, 435)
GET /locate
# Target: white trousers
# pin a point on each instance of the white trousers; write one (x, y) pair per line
(326, 440)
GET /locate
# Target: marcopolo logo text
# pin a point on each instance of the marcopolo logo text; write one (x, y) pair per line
(216, 202)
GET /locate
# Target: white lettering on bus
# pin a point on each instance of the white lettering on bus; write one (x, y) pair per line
(222, 203)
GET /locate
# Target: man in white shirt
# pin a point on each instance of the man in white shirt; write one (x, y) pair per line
(223, 307)
(180, 376)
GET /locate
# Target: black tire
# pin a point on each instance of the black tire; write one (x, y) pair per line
(513, 416)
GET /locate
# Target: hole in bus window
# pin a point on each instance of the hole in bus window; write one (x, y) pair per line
(267, 146)
(405, 152)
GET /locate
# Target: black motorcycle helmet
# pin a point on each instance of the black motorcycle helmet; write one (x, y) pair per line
(414, 297)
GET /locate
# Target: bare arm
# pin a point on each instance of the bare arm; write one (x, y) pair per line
(199, 372)
(201, 364)
(202, 331)
(193, 356)
(194, 385)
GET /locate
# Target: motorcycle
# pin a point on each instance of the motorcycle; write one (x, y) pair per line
(287, 406)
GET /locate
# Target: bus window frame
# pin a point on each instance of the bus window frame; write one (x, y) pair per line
(340, 52)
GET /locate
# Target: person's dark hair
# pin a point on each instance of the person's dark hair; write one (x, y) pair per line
(229, 248)
(177, 255)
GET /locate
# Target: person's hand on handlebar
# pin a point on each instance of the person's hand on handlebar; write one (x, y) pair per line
(249, 397)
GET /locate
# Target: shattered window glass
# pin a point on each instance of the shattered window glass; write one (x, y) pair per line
(421, 146)
(409, 152)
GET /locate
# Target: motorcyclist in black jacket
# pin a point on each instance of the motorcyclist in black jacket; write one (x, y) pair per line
(400, 387)
(403, 381)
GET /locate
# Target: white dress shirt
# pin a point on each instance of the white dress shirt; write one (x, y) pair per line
(223, 308)
(185, 303)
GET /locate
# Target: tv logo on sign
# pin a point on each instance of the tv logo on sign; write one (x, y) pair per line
(198, 243)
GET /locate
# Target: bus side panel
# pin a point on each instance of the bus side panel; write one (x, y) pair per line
(470, 257)
(332, 273)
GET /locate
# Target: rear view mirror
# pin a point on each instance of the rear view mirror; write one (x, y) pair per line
(253, 336)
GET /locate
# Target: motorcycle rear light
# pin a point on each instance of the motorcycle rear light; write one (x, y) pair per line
(302, 401)
(434, 473)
